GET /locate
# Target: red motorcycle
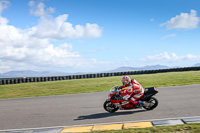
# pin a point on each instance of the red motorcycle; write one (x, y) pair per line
(115, 100)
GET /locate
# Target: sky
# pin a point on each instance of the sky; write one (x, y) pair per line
(97, 35)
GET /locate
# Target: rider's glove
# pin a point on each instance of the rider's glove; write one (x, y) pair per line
(126, 97)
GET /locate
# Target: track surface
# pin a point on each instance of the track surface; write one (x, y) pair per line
(77, 109)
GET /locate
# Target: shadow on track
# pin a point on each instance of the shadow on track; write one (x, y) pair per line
(104, 115)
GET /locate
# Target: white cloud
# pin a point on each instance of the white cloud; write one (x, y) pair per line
(169, 36)
(126, 59)
(31, 3)
(3, 21)
(59, 29)
(152, 19)
(166, 57)
(22, 49)
(39, 10)
(3, 5)
(183, 21)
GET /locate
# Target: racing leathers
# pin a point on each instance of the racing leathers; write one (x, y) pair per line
(135, 92)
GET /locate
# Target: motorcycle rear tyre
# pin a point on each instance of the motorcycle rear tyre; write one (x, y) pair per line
(153, 106)
(112, 108)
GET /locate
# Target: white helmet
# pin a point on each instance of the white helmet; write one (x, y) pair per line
(126, 80)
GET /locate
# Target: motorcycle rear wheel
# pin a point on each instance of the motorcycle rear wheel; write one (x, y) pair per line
(154, 103)
(110, 107)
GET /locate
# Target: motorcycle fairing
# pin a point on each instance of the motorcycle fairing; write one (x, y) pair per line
(117, 99)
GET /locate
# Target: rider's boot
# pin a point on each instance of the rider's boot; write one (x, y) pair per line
(136, 103)
(140, 103)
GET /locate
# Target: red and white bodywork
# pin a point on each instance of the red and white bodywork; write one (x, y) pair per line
(116, 99)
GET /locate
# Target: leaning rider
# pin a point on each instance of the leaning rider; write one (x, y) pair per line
(135, 91)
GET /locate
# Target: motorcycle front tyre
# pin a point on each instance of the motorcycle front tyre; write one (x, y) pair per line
(110, 107)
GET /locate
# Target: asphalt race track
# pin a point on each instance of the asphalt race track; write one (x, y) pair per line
(79, 109)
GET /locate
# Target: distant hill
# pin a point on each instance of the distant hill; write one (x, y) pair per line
(198, 64)
(153, 67)
(29, 73)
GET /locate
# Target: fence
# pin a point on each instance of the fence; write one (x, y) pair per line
(96, 75)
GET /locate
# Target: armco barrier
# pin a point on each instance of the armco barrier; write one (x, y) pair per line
(95, 75)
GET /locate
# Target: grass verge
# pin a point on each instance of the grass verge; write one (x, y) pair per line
(95, 84)
(185, 128)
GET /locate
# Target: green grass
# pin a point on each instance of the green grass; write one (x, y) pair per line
(185, 128)
(95, 84)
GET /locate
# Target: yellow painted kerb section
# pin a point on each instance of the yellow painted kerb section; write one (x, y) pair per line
(77, 129)
(107, 127)
(137, 125)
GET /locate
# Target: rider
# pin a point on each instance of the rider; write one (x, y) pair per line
(136, 91)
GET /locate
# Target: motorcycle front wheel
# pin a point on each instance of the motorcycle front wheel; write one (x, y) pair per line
(153, 103)
(110, 107)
